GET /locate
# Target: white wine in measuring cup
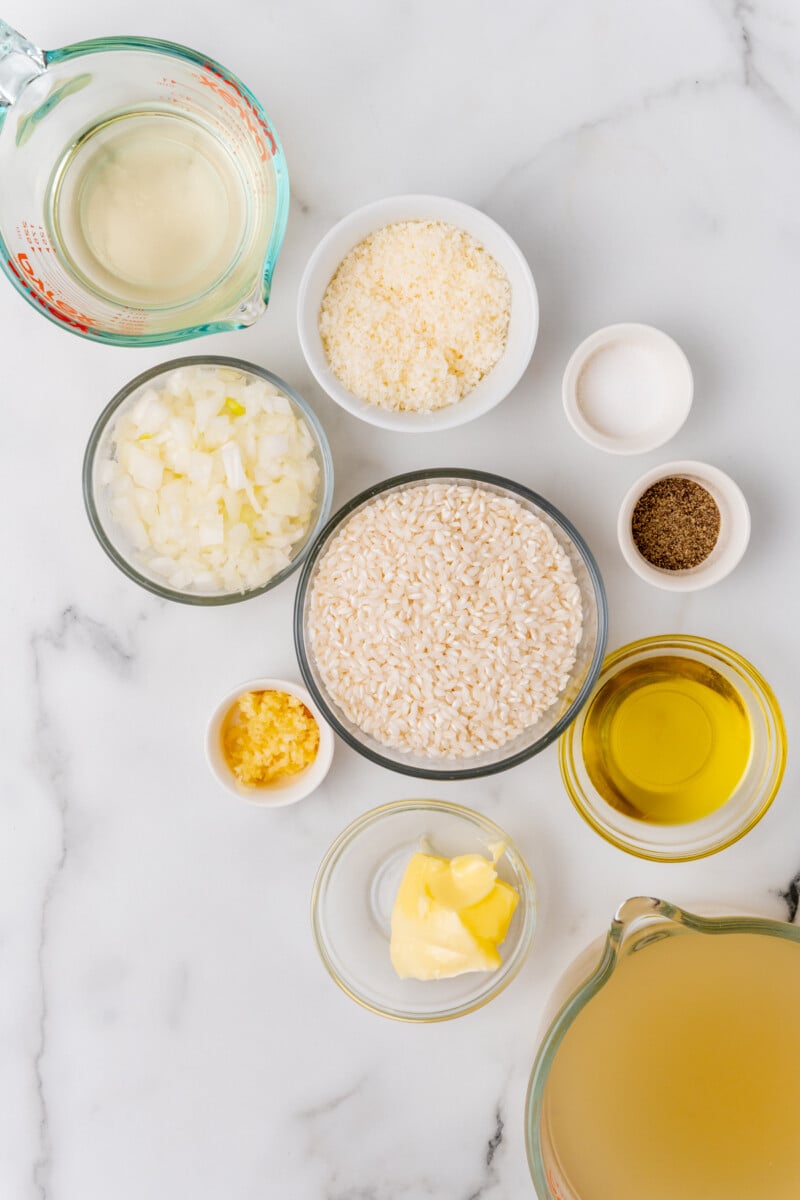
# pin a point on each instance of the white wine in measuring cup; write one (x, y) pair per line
(144, 190)
(149, 208)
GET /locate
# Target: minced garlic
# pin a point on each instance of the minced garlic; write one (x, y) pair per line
(268, 736)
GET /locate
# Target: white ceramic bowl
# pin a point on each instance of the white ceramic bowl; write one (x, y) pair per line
(734, 532)
(613, 415)
(523, 326)
(283, 792)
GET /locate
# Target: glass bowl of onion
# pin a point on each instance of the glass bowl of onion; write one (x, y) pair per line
(207, 479)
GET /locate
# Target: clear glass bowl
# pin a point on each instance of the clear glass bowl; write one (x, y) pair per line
(355, 890)
(752, 796)
(639, 922)
(101, 447)
(51, 100)
(553, 722)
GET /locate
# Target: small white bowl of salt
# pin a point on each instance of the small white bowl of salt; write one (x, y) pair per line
(627, 388)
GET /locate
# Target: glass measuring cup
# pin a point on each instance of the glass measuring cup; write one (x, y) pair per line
(60, 107)
(644, 927)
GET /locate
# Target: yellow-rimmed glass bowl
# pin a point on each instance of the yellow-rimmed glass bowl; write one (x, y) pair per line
(750, 798)
(355, 890)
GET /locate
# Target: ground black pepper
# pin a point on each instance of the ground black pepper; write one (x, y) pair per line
(675, 524)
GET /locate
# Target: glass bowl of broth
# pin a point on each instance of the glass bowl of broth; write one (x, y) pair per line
(665, 1073)
(678, 752)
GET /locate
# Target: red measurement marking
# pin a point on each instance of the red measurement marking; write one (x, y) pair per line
(240, 103)
(554, 1185)
(45, 296)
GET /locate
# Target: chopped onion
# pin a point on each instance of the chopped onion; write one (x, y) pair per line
(212, 480)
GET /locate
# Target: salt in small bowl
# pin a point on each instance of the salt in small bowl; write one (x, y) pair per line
(627, 389)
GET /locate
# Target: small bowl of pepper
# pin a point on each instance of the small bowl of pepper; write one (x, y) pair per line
(268, 743)
(683, 526)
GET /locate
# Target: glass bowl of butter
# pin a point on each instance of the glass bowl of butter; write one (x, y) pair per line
(423, 910)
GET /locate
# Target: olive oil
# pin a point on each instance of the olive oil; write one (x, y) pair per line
(667, 740)
(676, 1081)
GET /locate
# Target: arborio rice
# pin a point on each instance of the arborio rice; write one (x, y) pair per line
(444, 619)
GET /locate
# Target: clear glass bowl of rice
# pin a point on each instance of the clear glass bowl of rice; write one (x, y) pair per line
(397, 682)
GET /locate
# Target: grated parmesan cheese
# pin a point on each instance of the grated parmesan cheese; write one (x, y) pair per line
(415, 316)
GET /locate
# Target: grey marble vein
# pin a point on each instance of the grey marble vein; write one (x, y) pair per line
(408, 1191)
(492, 1146)
(791, 898)
(741, 11)
(749, 75)
(348, 1188)
(497, 1137)
(613, 116)
(328, 1106)
(753, 76)
(101, 639)
(51, 759)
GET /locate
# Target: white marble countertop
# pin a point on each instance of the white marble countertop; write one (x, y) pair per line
(166, 1027)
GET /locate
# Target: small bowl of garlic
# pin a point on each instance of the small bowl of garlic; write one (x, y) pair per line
(268, 743)
(207, 479)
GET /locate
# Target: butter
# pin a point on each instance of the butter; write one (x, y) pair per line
(449, 917)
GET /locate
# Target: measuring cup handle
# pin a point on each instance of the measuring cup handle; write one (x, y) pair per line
(20, 62)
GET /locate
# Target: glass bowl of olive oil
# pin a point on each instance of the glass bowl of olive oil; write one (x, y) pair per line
(679, 751)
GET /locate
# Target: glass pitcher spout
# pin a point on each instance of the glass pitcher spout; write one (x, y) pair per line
(632, 915)
(20, 63)
(254, 305)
